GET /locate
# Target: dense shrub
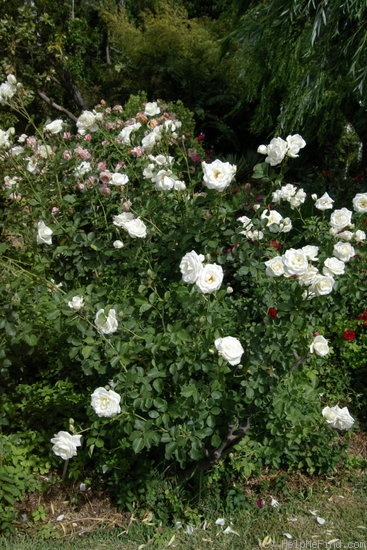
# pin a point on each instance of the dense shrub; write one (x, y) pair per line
(197, 310)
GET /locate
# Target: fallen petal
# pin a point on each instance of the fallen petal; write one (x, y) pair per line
(229, 531)
(319, 520)
(288, 535)
(220, 521)
(274, 502)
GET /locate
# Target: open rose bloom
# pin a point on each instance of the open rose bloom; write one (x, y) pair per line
(338, 418)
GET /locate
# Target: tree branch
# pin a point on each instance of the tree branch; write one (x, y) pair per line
(235, 433)
(56, 106)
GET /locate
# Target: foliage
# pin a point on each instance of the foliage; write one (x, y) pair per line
(19, 466)
(167, 54)
(69, 252)
(304, 64)
(58, 50)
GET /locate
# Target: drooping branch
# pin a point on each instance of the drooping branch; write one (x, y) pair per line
(56, 106)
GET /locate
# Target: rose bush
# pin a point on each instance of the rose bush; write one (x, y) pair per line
(155, 254)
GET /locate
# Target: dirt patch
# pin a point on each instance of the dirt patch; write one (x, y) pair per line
(70, 509)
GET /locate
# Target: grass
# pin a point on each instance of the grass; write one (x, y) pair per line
(296, 522)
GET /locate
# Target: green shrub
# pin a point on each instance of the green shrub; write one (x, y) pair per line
(139, 272)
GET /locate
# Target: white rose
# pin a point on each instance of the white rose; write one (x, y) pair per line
(210, 278)
(298, 199)
(324, 203)
(149, 141)
(44, 151)
(273, 218)
(164, 181)
(333, 266)
(311, 252)
(218, 175)
(152, 109)
(120, 220)
(246, 223)
(82, 169)
(295, 262)
(87, 122)
(275, 267)
(105, 403)
(309, 276)
(253, 234)
(360, 235)
(287, 192)
(344, 251)
(119, 179)
(8, 88)
(136, 228)
(322, 285)
(179, 185)
(65, 444)
(5, 137)
(338, 418)
(262, 149)
(319, 346)
(286, 225)
(161, 160)
(77, 302)
(230, 349)
(345, 235)
(44, 233)
(295, 143)
(341, 218)
(125, 134)
(276, 151)
(190, 266)
(360, 203)
(106, 324)
(55, 127)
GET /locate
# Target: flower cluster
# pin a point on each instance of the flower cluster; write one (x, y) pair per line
(207, 277)
(8, 89)
(279, 148)
(299, 263)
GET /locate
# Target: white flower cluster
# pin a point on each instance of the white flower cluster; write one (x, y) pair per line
(291, 194)
(160, 173)
(279, 148)
(275, 223)
(8, 89)
(207, 277)
(338, 418)
(5, 137)
(168, 128)
(298, 262)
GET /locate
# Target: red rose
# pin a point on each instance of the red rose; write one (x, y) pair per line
(349, 335)
(274, 244)
(272, 312)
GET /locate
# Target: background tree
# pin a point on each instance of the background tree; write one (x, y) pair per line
(306, 67)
